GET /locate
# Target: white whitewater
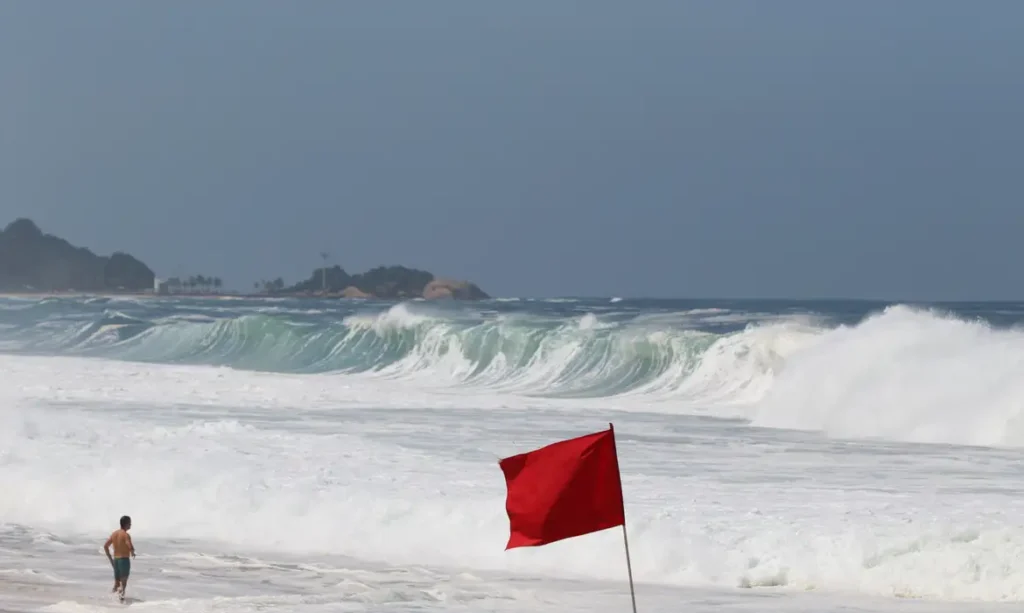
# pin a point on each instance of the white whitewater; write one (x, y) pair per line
(379, 490)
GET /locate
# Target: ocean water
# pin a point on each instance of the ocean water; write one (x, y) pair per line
(302, 455)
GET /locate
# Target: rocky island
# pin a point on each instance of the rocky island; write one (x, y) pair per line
(386, 283)
(34, 262)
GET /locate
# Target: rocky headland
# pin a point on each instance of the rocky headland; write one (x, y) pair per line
(31, 261)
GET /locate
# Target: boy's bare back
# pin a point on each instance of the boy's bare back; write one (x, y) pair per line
(122, 543)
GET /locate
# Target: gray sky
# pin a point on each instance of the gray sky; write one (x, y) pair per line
(655, 148)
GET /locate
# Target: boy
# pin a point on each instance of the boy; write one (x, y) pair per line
(123, 547)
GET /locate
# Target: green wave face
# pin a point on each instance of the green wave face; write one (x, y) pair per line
(551, 349)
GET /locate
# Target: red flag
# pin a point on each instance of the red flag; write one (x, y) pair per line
(565, 489)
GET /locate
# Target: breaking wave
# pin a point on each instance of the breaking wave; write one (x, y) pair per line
(900, 372)
(583, 355)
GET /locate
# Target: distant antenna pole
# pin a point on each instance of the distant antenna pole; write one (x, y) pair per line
(323, 275)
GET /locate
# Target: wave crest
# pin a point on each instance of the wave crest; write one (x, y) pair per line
(907, 374)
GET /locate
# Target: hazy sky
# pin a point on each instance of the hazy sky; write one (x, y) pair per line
(661, 148)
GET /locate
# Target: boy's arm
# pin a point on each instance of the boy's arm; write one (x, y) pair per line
(106, 547)
(131, 545)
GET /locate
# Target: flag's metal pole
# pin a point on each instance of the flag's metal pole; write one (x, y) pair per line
(629, 568)
(625, 538)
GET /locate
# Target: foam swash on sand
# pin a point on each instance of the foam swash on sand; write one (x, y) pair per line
(328, 455)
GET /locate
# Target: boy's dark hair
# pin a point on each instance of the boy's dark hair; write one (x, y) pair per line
(125, 521)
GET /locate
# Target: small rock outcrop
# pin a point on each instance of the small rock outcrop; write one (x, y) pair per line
(354, 292)
(451, 289)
